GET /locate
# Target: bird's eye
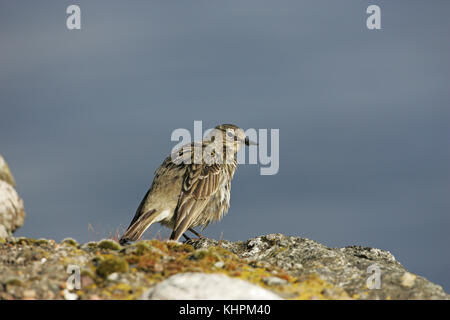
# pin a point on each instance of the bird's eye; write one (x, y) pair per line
(229, 134)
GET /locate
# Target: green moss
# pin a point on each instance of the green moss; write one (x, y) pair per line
(23, 241)
(89, 246)
(109, 244)
(213, 254)
(70, 242)
(122, 291)
(142, 247)
(97, 260)
(41, 242)
(14, 282)
(179, 247)
(88, 273)
(199, 254)
(110, 264)
(159, 245)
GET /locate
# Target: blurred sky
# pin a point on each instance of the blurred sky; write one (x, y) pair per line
(364, 116)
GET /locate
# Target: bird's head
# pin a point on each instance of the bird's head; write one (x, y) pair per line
(232, 136)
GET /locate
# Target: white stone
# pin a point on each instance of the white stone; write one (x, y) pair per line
(408, 279)
(274, 281)
(12, 213)
(201, 286)
(113, 276)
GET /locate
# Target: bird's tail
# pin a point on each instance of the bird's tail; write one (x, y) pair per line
(138, 227)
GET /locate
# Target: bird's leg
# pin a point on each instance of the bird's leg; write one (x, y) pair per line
(186, 237)
(196, 233)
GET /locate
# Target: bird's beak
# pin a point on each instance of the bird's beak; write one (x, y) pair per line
(249, 142)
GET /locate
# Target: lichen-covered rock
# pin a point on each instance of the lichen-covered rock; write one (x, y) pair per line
(202, 286)
(352, 268)
(288, 267)
(43, 267)
(12, 212)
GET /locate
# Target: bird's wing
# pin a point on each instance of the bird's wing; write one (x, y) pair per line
(199, 183)
(161, 173)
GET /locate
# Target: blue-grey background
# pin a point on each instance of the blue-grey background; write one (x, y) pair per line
(86, 116)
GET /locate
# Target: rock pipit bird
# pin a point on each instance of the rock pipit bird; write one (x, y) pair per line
(192, 186)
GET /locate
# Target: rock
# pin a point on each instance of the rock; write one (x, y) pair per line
(286, 267)
(201, 286)
(408, 279)
(29, 294)
(113, 276)
(274, 281)
(5, 173)
(346, 268)
(12, 212)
